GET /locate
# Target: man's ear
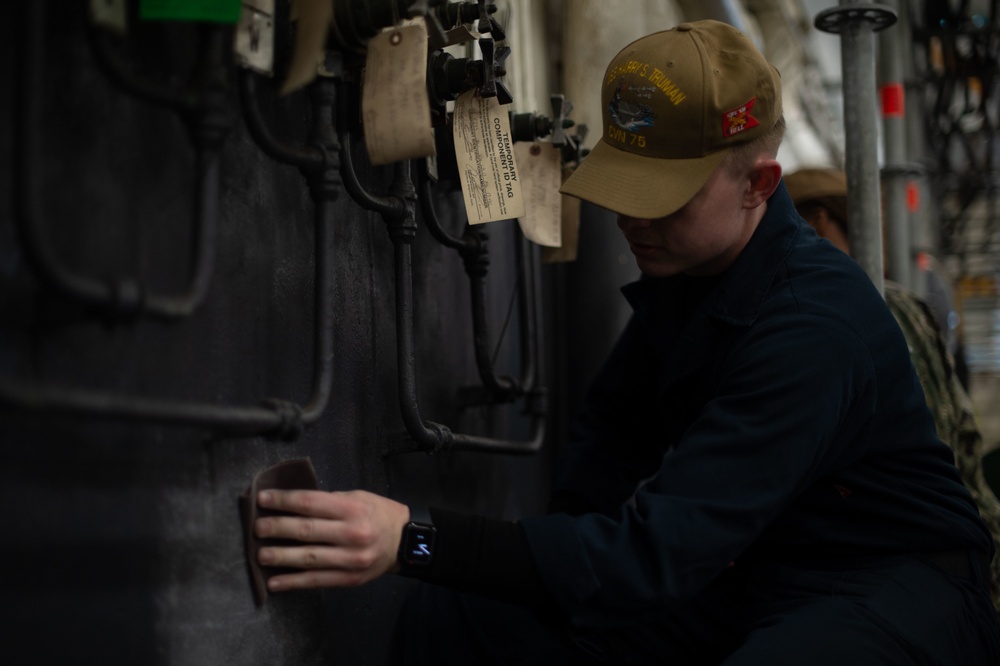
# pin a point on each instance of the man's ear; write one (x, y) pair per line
(764, 179)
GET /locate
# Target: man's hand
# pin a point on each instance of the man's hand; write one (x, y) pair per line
(349, 538)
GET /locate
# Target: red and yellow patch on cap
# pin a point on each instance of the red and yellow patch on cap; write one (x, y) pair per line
(739, 119)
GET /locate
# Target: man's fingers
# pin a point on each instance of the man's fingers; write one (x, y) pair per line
(348, 538)
(314, 503)
(316, 557)
(316, 530)
(313, 579)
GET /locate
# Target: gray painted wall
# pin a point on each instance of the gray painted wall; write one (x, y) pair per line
(122, 542)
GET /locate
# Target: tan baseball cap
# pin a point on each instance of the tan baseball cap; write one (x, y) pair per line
(816, 182)
(673, 104)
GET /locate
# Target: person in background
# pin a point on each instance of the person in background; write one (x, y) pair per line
(939, 296)
(820, 196)
(755, 476)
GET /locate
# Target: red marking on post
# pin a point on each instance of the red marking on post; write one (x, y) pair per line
(893, 100)
(912, 197)
(923, 261)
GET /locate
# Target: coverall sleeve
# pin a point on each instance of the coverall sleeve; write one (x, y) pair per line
(612, 445)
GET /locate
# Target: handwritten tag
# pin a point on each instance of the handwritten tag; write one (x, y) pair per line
(312, 23)
(395, 107)
(570, 232)
(253, 43)
(486, 166)
(540, 177)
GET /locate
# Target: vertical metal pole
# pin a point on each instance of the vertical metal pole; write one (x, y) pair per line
(895, 175)
(855, 23)
(924, 220)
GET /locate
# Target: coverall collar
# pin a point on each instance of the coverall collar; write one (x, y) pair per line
(739, 295)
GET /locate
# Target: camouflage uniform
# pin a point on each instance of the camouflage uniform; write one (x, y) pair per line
(951, 406)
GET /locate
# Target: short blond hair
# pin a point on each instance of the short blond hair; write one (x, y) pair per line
(741, 157)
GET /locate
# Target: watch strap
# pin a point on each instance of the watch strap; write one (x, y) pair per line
(421, 515)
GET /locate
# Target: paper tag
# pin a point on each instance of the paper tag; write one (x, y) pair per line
(570, 232)
(254, 40)
(215, 11)
(395, 107)
(486, 165)
(312, 22)
(109, 14)
(541, 176)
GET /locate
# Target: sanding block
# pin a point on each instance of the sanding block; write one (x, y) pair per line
(296, 474)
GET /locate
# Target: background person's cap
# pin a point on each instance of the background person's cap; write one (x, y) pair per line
(673, 104)
(815, 183)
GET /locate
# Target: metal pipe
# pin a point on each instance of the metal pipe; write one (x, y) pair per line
(306, 157)
(398, 210)
(275, 417)
(473, 250)
(529, 288)
(501, 388)
(117, 296)
(925, 220)
(895, 174)
(504, 388)
(430, 216)
(181, 101)
(324, 297)
(531, 445)
(427, 434)
(385, 206)
(855, 23)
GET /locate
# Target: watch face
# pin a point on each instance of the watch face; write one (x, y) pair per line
(418, 547)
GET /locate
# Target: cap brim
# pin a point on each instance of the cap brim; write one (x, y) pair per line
(808, 184)
(637, 186)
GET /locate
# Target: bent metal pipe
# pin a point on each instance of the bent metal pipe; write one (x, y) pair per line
(398, 210)
(276, 418)
(204, 114)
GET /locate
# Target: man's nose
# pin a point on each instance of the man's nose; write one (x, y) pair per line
(627, 222)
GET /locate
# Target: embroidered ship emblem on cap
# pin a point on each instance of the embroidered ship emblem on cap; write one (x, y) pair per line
(631, 115)
(739, 119)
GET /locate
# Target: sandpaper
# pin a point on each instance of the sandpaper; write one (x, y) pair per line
(296, 474)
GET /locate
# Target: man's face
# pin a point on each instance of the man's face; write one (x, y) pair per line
(702, 238)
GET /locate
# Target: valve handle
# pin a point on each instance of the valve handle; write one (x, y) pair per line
(484, 17)
(496, 30)
(561, 108)
(456, 13)
(572, 150)
(494, 58)
(435, 32)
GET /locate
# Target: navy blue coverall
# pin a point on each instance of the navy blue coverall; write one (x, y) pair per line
(755, 473)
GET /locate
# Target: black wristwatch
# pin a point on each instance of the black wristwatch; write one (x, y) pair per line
(416, 547)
